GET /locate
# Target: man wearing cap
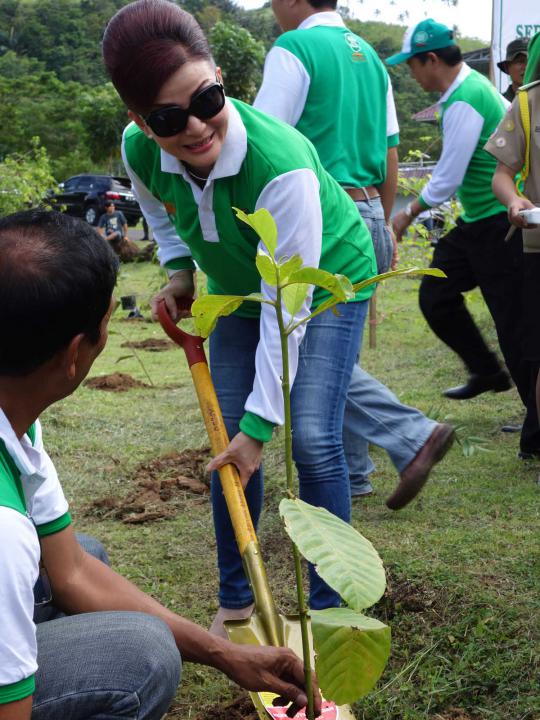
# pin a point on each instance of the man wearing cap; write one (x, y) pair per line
(474, 253)
(320, 77)
(515, 65)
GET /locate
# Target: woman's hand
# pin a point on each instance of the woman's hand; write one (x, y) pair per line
(276, 670)
(514, 207)
(244, 452)
(181, 286)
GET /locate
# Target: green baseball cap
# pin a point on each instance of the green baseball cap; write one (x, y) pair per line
(428, 35)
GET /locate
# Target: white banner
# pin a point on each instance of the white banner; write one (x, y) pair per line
(511, 19)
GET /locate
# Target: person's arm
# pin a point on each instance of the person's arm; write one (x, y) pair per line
(462, 126)
(389, 186)
(293, 200)
(284, 87)
(507, 145)
(504, 188)
(19, 558)
(173, 253)
(18, 710)
(81, 583)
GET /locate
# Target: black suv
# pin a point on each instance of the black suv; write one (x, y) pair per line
(85, 196)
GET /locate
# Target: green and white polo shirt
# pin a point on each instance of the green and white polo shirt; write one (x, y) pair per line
(331, 85)
(263, 163)
(32, 505)
(471, 111)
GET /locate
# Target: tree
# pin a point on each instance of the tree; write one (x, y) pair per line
(25, 179)
(240, 57)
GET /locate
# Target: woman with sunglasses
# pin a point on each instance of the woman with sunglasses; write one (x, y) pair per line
(193, 155)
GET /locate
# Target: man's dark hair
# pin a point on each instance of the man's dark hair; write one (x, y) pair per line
(330, 4)
(450, 55)
(57, 275)
(109, 203)
(144, 44)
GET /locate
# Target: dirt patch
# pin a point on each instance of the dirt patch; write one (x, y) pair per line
(161, 485)
(116, 382)
(241, 708)
(151, 344)
(404, 595)
(452, 714)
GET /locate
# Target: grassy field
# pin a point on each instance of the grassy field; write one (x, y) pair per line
(462, 561)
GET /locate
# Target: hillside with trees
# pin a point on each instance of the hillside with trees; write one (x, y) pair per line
(53, 85)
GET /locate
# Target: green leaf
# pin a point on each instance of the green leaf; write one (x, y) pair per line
(266, 268)
(207, 309)
(294, 297)
(264, 225)
(288, 266)
(339, 285)
(397, 273)
(345, 559)
(351, 652)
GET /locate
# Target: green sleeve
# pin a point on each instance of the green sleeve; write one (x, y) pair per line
(392, 140)
(183, 263)
(256, 427)
(54, 526)
(17, 691)
(423, 203)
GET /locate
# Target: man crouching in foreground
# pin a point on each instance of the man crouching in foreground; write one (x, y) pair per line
(116, 652)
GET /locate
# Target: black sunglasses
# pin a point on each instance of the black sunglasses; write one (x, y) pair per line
(171, 120)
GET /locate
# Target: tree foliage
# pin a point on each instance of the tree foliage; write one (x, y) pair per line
(25, 179)
(240, 57)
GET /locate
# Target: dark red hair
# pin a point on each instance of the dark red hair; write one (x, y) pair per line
(144, 44)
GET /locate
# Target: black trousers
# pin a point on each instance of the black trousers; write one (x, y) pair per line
(476, 255)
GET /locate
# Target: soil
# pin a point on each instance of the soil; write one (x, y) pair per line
(151, 344)
(404, 595)
(116, 382)
(241, 708)
(452, 714)
(161, 485)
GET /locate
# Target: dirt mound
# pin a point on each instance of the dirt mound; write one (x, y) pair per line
(405, 595)
(241, 708)
(116, 382)
(151, 344)
(160, 487)
(452, 714)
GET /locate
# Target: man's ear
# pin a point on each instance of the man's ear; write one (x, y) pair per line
(219, 75)
(137, 119)
(71, 356)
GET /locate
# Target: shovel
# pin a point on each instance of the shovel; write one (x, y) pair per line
(265, 626)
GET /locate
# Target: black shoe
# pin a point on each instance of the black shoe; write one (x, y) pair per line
(478, 384)
(510, 428)
(529, 454)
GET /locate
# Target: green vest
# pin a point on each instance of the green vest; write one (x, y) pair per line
(273, 148)
(345, 111)
(475, 193)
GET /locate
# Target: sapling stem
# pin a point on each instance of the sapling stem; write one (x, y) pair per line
(302, 608)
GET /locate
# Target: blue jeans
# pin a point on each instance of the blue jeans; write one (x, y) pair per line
(372, 213)
(327, 356)
(104, 665)
(373, 413)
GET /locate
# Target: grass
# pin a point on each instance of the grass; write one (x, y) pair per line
(462, 560)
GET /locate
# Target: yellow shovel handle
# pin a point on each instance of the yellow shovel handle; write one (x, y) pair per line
(219, 440)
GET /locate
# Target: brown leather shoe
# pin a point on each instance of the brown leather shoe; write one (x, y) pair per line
(415, 475)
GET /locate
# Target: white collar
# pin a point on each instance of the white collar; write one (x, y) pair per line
(463, 73)
(330, 18)
(231, 157)
(26, 457)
